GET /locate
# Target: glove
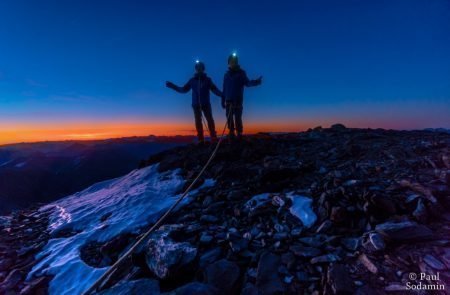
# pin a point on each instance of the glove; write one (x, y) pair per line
(170, 84)
(259, 80)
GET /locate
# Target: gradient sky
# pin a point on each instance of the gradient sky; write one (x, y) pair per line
(96, 69)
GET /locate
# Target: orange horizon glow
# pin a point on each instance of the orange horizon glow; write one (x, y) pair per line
(45, 131)
(19, 133)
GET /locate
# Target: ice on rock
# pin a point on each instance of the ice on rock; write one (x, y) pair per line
(130, 203)
(302, 209)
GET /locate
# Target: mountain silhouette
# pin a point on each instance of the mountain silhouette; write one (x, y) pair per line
(33, 173)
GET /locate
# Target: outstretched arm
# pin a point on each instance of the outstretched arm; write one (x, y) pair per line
(183, 89)
(250, 83)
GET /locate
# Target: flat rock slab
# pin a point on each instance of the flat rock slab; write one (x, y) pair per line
(434, 262)
(404, 231)
(194, 288)
(267, 280)
(166, 258)
(339, 280)
(142, 286)
(223, 275)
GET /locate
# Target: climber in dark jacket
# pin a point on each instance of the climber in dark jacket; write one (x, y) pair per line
(233, 94)
(200, 85)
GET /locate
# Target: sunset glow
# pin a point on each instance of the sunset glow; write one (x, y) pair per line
(103, 130)
(88, 131)
(72, 131)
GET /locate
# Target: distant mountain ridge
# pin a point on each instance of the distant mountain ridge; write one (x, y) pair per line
(445, 130)
(41, 172)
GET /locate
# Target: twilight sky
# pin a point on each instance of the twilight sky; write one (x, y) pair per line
(96, 69)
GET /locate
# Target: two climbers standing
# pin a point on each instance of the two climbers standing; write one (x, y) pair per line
(232, 97)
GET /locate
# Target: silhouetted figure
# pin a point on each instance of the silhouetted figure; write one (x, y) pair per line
(233, 94)
(200, 84)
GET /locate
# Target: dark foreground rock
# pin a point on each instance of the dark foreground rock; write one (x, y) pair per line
(167, 258)
(195, 288)
(381, 198)
(223, 275)
(267, 278)
(22, 236)
(404, 231)
(339, 280)
(142, 286)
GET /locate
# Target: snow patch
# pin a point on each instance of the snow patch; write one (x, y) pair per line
(5, 221)
(132, 202)
(302, 209)
(63, 217)
(20, 165)
(6, 163)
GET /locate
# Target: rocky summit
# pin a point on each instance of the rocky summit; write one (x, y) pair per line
(326, 211)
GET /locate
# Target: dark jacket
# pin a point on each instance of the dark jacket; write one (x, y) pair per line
(233, 85)
(200, 84)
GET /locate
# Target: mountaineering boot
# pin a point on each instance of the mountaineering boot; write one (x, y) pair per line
(201, 139)
(214, 139)
(239, 137)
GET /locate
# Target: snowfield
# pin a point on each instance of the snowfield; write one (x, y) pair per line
(131, 202)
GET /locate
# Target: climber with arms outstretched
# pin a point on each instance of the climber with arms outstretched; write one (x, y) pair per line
(200, 85)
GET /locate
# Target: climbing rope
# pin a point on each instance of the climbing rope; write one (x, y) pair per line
(107, 275)
(205, 125)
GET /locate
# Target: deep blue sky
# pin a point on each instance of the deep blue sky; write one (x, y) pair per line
(364, 63)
